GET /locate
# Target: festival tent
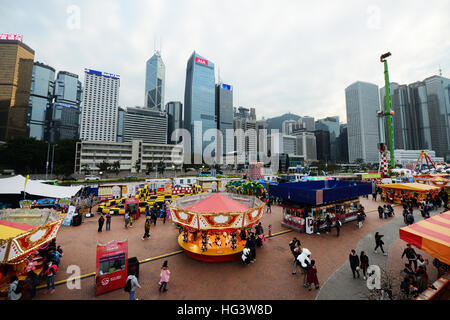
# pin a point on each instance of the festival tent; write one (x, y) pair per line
(320, 192)
(16, 185)
(431, 235)
(414, 186)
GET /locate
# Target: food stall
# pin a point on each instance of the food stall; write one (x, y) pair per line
(315, 200)
(396, 191)
(112, 265)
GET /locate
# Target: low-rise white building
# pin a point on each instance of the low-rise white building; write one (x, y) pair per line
(93, 153)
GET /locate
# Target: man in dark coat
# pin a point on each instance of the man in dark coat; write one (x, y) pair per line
(411, 255)
(354, 263)
(338, 227)
(380, 212)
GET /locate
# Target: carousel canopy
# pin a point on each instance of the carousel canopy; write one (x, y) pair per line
(216, 211)
(16, 185)
(218, 203)
(10, 229)
(410, 186)
(431, 235)
(23, 231)
(320, 192)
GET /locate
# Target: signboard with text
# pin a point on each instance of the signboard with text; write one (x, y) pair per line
(201, 61)
(4, 36)
(112, 264)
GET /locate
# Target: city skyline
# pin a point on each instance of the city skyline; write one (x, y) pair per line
(355, 34)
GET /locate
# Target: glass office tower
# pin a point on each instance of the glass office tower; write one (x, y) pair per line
(174, 110)
(155, 78)
(199, 102)
(64, 121)
(41, 97)
(224, 114)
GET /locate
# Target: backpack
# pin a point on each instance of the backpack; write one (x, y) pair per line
(127, 287)
(18, 289)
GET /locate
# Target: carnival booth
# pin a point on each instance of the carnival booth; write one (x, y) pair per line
(22, 233)
(394, 192)
(440, 181)
(112, 266)
(307, 203)
(211, 224)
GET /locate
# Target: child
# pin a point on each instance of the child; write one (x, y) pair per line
(270, 231)
(165, 274)
(311, 276)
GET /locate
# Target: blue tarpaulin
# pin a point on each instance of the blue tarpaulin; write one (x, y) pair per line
(320, 192)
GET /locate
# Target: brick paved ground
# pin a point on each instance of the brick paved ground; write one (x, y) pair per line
(270, 277)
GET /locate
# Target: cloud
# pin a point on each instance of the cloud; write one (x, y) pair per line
(290, 56)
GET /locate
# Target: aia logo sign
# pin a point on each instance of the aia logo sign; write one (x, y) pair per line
(201, 61)
(105, 281)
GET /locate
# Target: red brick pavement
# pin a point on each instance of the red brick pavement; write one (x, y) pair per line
(270, 277)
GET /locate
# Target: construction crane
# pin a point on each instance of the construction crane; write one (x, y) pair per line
(389, 113)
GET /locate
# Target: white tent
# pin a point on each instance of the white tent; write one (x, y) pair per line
(16, 185)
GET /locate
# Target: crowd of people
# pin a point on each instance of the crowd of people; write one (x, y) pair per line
(51, 254)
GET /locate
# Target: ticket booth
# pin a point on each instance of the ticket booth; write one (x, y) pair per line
(112, 264)
(133, 205)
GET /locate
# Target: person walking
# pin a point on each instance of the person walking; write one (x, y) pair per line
(311, 276)
(153, 216)
(165, 275)
(364, 263)
(101, 221)
(146, 229)
(411, 255)
(379, 243)
(108, 221)
(164, 215)
(328, 223)
(133, 284)
(354, 263)
(380, 212)
(269, 208)
(374, 196)
(338, 227)
(296, 252)
(33, 281)
(127, 219)
(270, 231)
(360, 219)
(252, 247)
(14, 290)
(50, 276)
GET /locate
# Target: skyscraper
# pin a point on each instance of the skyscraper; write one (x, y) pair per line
(422, 115)
(155, 78)
(41, 100)
(199, 102)
(100, 106)
(16, 68)
(323, 145)
(330, 124)
(362, 103)
(224, 114)
(64, 119)
(174, 110)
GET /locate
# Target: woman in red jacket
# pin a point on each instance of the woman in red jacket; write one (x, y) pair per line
(311, 276)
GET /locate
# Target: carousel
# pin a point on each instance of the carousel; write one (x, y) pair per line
(22, 233)
(211, 224)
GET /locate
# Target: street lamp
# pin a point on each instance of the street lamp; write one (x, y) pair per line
(100, 173)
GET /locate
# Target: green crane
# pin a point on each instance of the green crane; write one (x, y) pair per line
(389, 113)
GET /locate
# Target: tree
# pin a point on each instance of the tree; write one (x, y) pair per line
(137, 166)
(161, 167)
(149, 168)
(116, 167)
(86, 169)
(104, 166)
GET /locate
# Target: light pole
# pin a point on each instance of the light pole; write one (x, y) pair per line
(46, 165)
(53, 158)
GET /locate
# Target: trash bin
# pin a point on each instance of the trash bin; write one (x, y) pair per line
(133, 265)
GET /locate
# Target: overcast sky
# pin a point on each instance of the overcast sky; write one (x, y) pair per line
(280, 56)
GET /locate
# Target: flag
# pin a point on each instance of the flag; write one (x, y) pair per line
(26, 181)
